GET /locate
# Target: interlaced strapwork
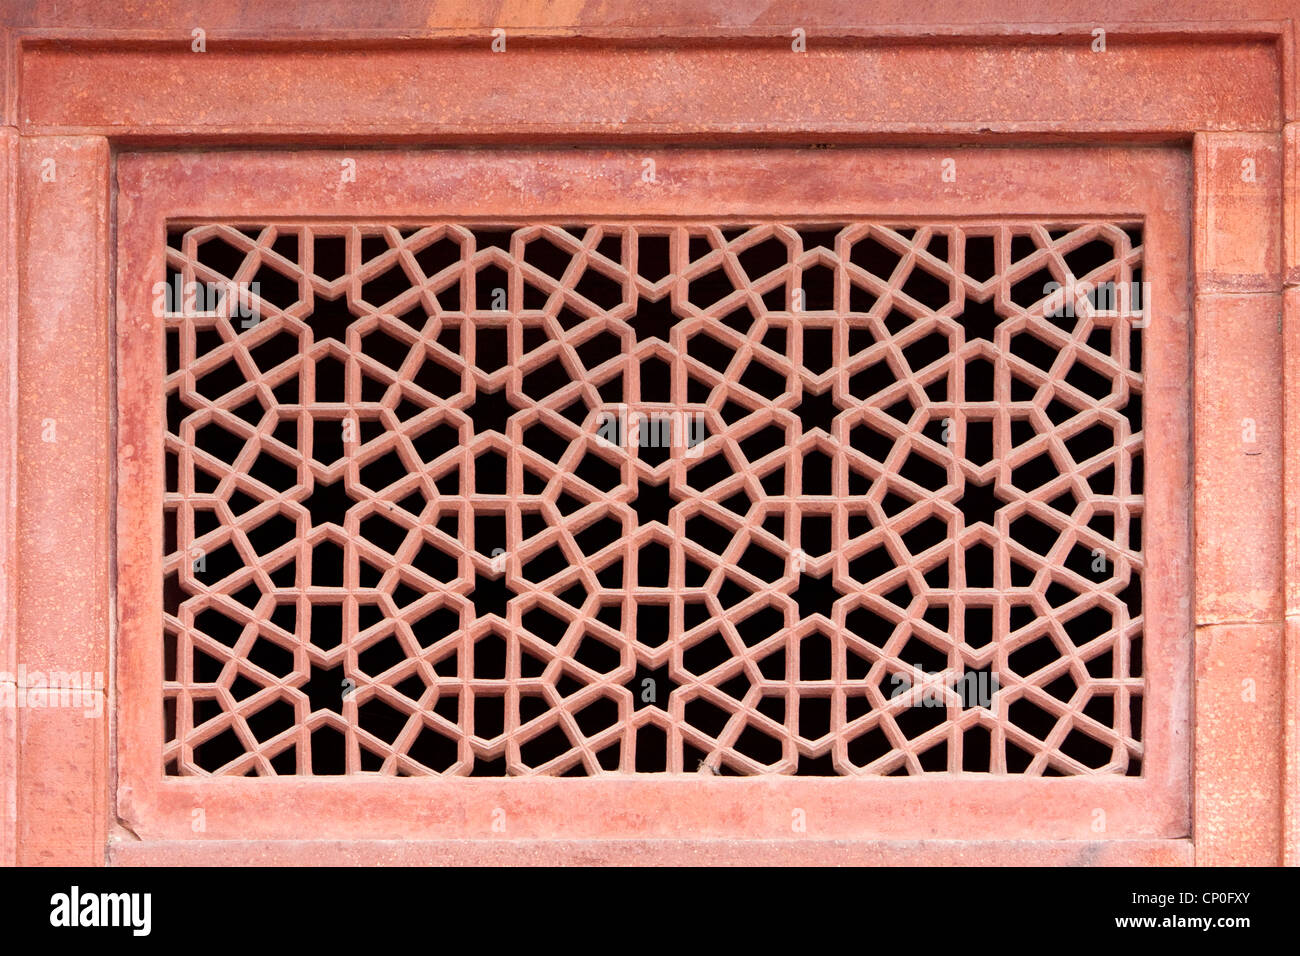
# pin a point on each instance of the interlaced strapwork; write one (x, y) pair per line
(824, 500)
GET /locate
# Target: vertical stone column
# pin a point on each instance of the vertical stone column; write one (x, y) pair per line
(63, 432)
(1291, 496)
(8, 560)
(1238, 550)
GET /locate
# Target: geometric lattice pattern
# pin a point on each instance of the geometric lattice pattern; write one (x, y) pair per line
(654, 497)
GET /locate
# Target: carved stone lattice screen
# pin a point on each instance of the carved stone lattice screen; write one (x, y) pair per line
(815, 499)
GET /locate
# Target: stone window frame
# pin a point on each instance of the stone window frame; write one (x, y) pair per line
(1110, 183)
